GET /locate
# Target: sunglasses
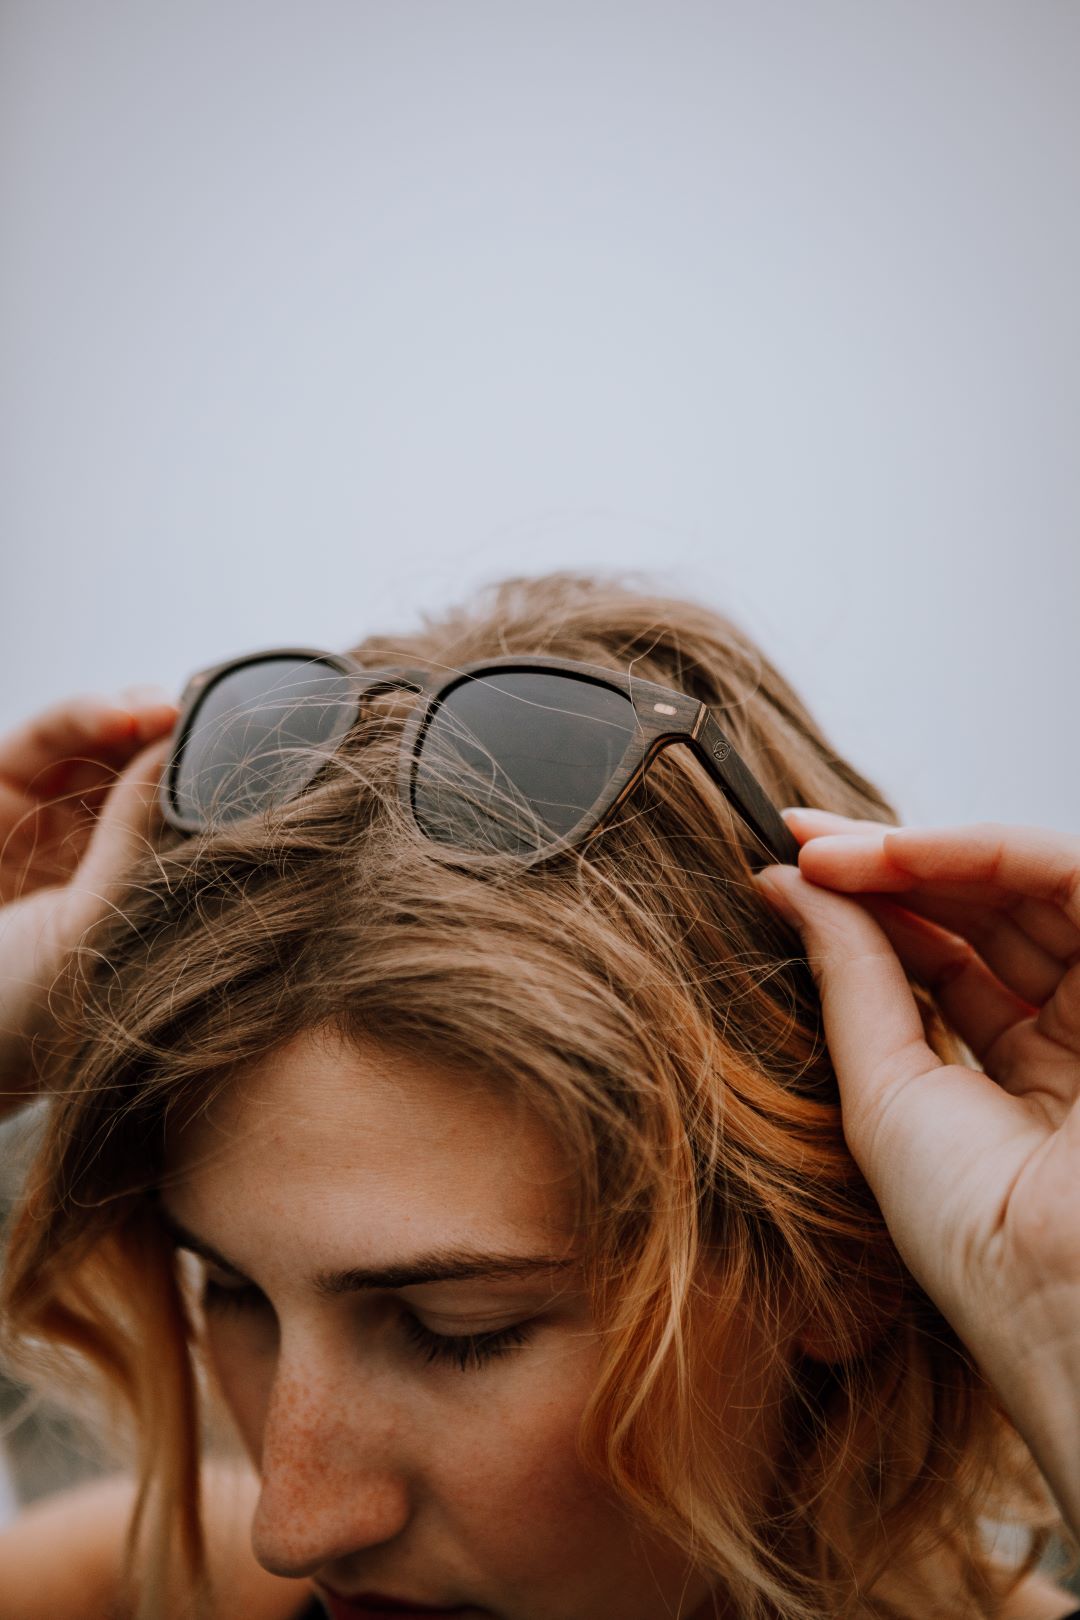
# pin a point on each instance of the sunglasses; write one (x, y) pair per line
(521, 756)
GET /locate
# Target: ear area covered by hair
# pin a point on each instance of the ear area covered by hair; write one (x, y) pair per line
(822, 1336)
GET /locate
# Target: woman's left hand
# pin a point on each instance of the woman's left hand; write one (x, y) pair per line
(976, 1169)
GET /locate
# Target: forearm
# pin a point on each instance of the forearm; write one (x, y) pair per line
(1038, 1379)
(31, 953)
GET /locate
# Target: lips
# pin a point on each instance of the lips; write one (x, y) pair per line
(373, 1606)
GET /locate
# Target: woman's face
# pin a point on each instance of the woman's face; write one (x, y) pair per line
(403, 1338)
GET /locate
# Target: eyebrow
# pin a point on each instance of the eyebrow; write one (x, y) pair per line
(437, 1265)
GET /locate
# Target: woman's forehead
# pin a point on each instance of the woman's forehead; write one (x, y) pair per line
(379, 1136)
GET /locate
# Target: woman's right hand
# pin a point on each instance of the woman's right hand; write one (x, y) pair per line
(77, 804)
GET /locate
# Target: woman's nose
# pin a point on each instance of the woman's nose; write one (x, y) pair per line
(332, 1484)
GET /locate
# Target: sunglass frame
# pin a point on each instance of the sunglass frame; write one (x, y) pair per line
(664, 717)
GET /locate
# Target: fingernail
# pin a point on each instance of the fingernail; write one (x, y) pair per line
(118, 723)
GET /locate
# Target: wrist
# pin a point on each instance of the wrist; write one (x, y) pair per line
(1037, 1375)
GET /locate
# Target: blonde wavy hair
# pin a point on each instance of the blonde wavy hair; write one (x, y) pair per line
(656, 1015)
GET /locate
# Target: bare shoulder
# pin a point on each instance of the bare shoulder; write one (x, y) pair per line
(62, 1555)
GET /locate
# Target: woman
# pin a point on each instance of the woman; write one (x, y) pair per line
(487, 1169)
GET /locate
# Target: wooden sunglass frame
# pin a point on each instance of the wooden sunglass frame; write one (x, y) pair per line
(664, 716)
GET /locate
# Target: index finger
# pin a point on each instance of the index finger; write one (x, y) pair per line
(78, 726)
(124, 830)
(987, 859)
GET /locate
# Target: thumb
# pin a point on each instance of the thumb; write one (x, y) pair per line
(872, 1022)
(124, 829)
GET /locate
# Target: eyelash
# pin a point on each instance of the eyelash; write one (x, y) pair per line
(467, 1351)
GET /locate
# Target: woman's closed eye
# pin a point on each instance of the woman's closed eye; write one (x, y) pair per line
(467, 1351)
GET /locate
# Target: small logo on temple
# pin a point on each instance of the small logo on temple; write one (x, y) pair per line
(721, 750)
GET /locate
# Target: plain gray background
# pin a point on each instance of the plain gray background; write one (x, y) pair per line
(318, 315)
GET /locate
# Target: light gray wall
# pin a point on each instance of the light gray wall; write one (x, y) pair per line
(316, 315)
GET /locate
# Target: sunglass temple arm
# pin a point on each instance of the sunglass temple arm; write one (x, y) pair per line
(742, 788)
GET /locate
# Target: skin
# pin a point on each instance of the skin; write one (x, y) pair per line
(77, 785)
(976, 1168)
(382, 1471)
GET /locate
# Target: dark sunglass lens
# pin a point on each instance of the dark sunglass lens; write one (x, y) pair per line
(512, 761)
(259, 736)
